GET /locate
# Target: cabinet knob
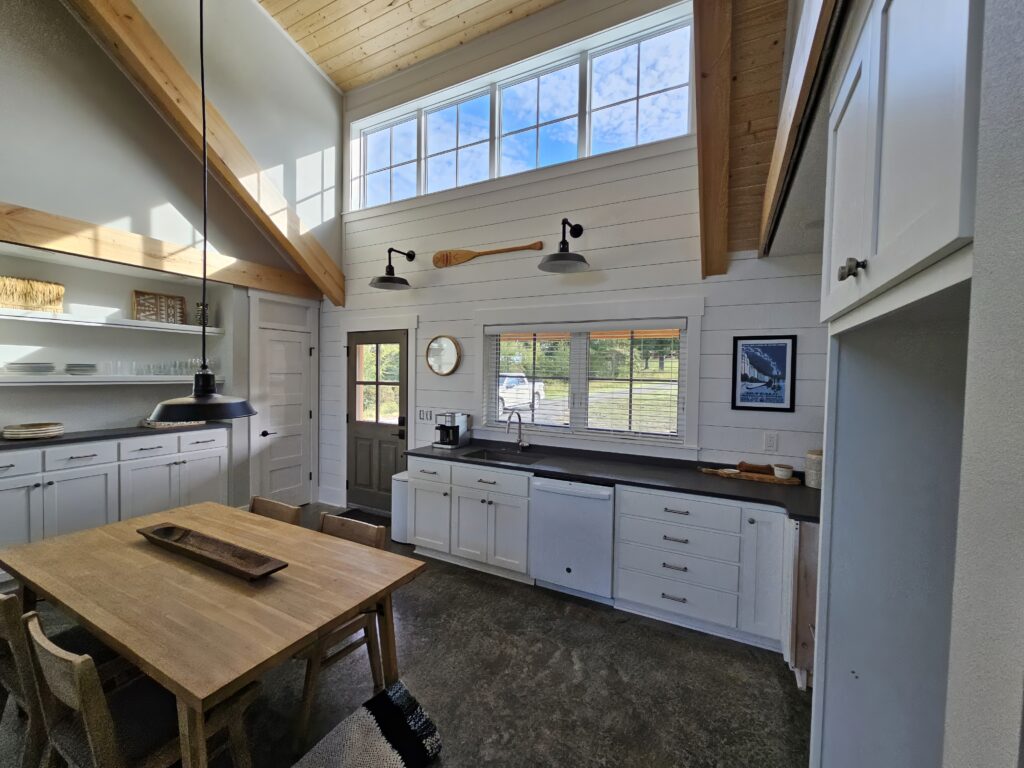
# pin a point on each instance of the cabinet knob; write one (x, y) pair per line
(49, 482)
(490, 502)
(851, 268)
(38, 485)
(751, 520)
(483, 501)
(445, 493)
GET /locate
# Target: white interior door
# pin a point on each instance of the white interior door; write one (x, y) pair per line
(282, 443)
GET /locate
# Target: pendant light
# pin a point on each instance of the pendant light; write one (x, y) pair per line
(388, 281)
(565, 260)
(204, 404)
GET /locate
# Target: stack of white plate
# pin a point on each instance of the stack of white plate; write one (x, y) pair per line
(31, 369)
(32, 431)
(80, 369)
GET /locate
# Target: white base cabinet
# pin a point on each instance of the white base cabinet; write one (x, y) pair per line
(165, 482)
(77, 499)
(430, 515)
(21, 509)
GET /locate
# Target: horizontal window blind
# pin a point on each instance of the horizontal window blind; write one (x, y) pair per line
(622, 381)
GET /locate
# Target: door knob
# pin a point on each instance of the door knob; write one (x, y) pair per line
(264, 433)
(851, 268)
(400, 434)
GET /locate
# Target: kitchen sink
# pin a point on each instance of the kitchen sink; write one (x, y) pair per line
(509, 457)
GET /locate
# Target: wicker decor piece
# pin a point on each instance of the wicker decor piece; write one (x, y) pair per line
(19, 293)
(158, 307)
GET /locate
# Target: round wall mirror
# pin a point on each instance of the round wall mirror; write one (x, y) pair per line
(443, 355)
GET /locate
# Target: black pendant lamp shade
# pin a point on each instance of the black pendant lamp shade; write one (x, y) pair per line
(389, 281)
(565, 260)
(204, 404)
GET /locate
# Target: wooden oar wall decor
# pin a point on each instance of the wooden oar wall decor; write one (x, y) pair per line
(453, 258)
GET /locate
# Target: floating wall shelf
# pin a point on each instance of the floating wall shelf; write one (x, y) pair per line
(137, 325)
(57, 379)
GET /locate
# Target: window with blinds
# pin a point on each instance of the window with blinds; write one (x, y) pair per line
(628, 381)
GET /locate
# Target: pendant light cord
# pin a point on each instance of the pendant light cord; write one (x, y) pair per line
(203, 311)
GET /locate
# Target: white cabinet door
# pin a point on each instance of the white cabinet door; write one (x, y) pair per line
(430, 515)
(469, 524)
(761, 556)
(203, 476)
(849, 196)
(21, 510)
(77, 499)
(149, 485)
(508, 531)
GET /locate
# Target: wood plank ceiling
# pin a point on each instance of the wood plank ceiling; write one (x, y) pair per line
(358, 41)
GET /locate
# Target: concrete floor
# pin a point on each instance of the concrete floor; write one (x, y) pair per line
(521, 676)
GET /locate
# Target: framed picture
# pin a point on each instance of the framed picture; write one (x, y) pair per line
(763, 373)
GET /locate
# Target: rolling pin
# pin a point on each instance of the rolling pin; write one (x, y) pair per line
(453, 258)
(755, 469)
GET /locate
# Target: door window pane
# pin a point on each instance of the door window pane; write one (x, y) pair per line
(366, 402)
(519, 152)
(474, 164)
(614, 76)
(665, 61)
(441, 130)
(560, 93)
(366, 362)
(664, 115)
(613, 128)
(389, 404)
(441, 172)
(475, 120)
(390, 361)
(558, 142)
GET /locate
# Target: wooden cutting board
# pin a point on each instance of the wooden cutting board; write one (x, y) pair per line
(754, 476)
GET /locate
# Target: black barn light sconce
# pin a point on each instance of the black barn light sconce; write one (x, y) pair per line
(565, 260)
(388, 281)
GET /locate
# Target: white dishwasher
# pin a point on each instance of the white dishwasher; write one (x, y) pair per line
(571, 528)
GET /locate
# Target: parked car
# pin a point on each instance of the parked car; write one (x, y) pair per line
(515, 390)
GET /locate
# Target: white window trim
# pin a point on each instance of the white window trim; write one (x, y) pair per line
(586, 317)
(582, 51)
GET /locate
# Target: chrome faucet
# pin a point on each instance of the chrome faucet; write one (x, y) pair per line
(508, 427)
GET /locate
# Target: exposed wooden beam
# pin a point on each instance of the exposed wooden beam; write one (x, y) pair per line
(27, 226)
(712, 26)
(814, 36)
(135, 46)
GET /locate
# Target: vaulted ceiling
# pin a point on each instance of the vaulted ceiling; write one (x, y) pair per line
(358, 41)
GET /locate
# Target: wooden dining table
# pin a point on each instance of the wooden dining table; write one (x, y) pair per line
(201, 633)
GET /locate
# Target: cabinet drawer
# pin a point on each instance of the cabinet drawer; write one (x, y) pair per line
(14, 463)
(203, 441)
(677, 597)
(669, 565)
(679, 538)
(680, 509)
(150, 445)
(79, 455)
(469, 476)
(426, 469)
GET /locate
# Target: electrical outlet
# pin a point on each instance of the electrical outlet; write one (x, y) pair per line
(425, 415)
(771, 442)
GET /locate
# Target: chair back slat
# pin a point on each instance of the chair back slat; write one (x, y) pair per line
(276, 510)
(14, 645)
(354, 530)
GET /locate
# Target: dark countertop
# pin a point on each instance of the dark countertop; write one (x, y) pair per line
(800, 502)
(96, 435)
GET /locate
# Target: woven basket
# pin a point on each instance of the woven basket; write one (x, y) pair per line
(19, 293)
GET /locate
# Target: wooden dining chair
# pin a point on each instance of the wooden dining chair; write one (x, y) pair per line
(276, 510)
(134, 726)
(17, 681)
(348, 638)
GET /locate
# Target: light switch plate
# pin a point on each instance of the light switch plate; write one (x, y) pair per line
(424, 414)
(771, 442)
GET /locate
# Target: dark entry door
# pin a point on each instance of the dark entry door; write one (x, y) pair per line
(377, 398)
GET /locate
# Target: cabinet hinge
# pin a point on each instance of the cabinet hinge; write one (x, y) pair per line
(347, 418)
(310, 475)
(311, 413)
(346, 485)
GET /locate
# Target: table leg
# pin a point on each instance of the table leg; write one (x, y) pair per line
(28, 598)
(192, 732)
(389, 654)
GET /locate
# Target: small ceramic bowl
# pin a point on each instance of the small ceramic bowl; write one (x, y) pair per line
(783, 471)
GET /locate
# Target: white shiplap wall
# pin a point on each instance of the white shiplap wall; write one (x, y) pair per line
(639, 208)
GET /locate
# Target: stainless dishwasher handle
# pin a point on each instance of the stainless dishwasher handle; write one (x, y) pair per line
(677, 511)
(667, 596)
(666, 537)
(680, 568)
(488, 482)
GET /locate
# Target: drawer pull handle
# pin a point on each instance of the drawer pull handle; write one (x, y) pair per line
(680, 568)
(6, 466)
(677, 511)
(154, 448)
(666, 537)
(488, 482)
(86, 456)
(202, 442)
(667, 596)
(427, 472)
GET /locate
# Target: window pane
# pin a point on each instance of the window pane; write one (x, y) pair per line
(366, 402)
(378, 149)
(475, 120)
(613, 128)
(665, 61)
(441, 130)
(519, 152)
(608, 405)
(441, 172)
(533, 378)
(378, 188)
(474, 164)
(560, 93)
(664, 115)
(366, 362)
(403, 181)
(389, 405)
(614, 76)
(403, 142)
(559, 142)
(390, 361)
(608, 355)
(519, 106)
(656, 355)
